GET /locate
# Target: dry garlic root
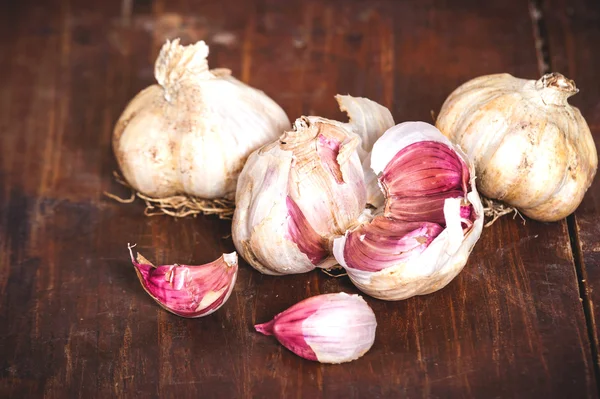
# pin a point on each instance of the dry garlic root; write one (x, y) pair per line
(192, 133)
(531, 149)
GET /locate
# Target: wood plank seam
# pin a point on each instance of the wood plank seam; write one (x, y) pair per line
(541, 37)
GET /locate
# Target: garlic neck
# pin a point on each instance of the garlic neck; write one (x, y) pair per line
(177, 64)
(554, 88)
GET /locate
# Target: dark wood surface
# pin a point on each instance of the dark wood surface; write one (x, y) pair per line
(74, 321)
(573, 29)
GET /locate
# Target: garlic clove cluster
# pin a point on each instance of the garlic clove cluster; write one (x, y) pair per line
(399, 253)
(330, 328)
(188, 291)
(192, 133)
(530, 148)
(294, 195)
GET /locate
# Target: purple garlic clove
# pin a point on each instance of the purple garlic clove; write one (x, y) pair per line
(329, 328)
(188, 291)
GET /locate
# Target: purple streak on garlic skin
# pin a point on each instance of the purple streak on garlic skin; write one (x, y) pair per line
(420, 209)
(385, 242)
(328, 150)
(287, 328)
(466, 211)
(424, 168)
(330, 328)
(304, 236)
(189, 291)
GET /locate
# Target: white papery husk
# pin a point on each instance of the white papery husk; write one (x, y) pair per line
(447, 254)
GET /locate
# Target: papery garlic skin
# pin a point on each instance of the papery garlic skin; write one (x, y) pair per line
(297, 193)
(192, 133)
(530, 148)
(330, 328)
(369, 121)
(189, 291)
(444, 252)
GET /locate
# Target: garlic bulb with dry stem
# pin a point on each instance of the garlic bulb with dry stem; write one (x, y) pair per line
(531, 149)
(192, 133)
(431, 218)
(297, 193)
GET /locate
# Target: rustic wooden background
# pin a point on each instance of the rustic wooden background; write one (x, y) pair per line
(74, 322)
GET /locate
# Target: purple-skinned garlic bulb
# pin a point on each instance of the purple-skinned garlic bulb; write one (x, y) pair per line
(298, 193)
(430, 218)
(329, 328)
(188, 291)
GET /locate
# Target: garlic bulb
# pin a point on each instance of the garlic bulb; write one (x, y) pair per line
(188, 291)
(192, 133)
(530, 148)
(431, 218)
(297, 193)
(330, 328)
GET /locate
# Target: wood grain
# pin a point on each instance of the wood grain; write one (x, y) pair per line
(74, 321)
(574, 31)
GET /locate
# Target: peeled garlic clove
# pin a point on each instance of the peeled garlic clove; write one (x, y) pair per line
(530, 148)
(295, 194)
(330, 328)
(400, 253)
(192, 132)
(189, 291)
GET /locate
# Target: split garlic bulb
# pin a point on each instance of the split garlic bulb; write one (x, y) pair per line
(296, 193)
(192, 133)
(530, 148)
(421, 237)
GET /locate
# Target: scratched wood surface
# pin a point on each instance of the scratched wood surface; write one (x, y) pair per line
(74, 321)
(574, 34)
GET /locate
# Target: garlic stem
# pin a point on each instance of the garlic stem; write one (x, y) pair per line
(555, 88)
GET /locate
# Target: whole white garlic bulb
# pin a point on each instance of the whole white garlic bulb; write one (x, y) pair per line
(297, 193)
(192, 133)
(421, 237)
(530, 148)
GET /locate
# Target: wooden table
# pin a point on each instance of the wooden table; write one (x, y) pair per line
(519, 321)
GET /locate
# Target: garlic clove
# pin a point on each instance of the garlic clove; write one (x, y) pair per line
(410, 174)
(420, 209)
(306, 238)
(384, 242)
(329, 328)
(188, 291)
(429, 271)
(418, 245)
